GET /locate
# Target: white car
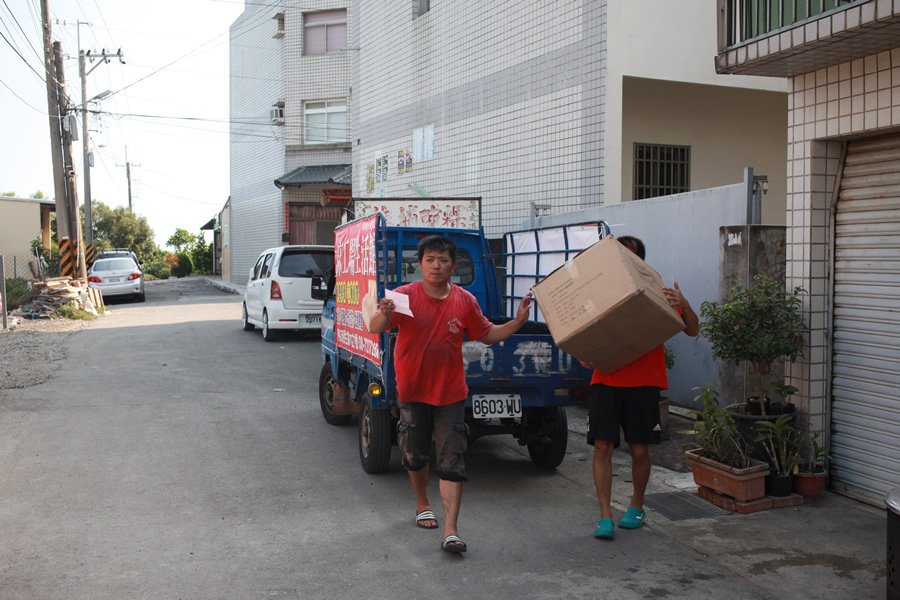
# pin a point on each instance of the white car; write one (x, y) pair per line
(286, 289)
(117, 277)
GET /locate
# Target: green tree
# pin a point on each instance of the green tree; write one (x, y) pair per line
(201, 255)
(9, 194)
(182, 240)
(120, 228)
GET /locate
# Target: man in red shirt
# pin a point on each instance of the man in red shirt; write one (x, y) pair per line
(431, 380)
(628, 399)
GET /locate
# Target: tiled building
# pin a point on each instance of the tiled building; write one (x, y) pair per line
(553, 107)
(290, 154)
(842, 61)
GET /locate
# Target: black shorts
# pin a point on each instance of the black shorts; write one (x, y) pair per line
(445, 426)
(633, 410)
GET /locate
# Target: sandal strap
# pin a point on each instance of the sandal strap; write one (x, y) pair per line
(452, 538)
(425, 515)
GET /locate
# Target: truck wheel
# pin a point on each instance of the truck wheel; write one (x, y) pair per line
(326, 397)
(374, 437)
(549, 451)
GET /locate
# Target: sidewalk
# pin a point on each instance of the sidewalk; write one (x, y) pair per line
(832, 549)
(231, 288)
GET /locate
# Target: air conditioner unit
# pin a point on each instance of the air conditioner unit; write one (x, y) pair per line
(276, 115)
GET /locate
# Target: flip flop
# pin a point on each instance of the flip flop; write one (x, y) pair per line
(426, 515)
(452, 543)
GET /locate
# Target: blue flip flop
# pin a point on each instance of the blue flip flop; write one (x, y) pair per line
(606, 529)
(632, 519)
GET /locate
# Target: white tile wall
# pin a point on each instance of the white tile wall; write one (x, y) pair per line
(514, 91)
(853, 99)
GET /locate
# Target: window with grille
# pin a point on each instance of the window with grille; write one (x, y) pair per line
(661, 170)
(324, 32)
(325, 121)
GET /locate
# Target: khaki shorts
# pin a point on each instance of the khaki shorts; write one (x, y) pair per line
(443, 428)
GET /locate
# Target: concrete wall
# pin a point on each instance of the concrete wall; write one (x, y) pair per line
(20, 222)
(726, 128)
(681, 233)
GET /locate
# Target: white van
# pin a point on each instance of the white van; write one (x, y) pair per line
(286, 289)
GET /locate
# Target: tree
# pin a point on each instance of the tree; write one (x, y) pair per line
(120, 228)
(39, 195)
(182, 240)
(202, 255)
(9, 194)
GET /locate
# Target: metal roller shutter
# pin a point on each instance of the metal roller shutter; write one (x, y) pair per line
(865, 393)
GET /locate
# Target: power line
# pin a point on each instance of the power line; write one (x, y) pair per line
(24, 35)
(24, 60)
(13, 92)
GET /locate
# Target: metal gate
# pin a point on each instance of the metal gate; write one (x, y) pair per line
(865, 393)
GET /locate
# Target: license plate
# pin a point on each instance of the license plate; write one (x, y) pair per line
(313, 319)
(114, 280)
(492, 406)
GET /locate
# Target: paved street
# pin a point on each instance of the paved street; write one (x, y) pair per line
(176, 456)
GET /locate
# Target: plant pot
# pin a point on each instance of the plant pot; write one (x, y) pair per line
(746, 424)
(810, 485)
(743, 485)
(779, 485)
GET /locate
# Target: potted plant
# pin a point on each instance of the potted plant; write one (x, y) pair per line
(758, 326)
(782, 444)
(811, 474)
(664, 400)
(722, 462)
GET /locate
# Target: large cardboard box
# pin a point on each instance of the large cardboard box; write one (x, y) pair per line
(606, 305)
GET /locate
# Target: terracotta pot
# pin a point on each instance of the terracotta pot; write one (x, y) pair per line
(810, 485)
(741, 484)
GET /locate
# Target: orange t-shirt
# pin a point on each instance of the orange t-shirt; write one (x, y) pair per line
(648, 370)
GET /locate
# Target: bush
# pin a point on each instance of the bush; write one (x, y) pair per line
(184, 267)
(72, 310)
(155, 267)
(18, 292)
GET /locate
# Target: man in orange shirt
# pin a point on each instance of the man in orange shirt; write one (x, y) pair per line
(628, 399)
(431, 380)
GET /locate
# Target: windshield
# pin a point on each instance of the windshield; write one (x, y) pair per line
(114, 264)
(463, 274)
(305, 263)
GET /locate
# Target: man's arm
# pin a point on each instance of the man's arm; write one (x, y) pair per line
(381, 320)
(498, 333)
(690, 318)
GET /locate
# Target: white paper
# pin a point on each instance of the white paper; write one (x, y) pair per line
(401, 302)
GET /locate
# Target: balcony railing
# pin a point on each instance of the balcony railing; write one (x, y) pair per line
(749, 19)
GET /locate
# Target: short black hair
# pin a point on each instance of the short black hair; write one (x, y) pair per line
(634, 244)
(437, 243)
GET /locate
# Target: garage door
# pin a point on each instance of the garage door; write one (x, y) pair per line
(865, 443)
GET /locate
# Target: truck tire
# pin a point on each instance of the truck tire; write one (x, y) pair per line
(374, 437)
(549, 451)
(326, 395)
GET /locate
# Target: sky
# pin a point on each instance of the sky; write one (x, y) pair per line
(168, 115)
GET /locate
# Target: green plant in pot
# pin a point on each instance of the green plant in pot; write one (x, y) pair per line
(811, 474)
(758, 325)
(722, 463)
(782, 443)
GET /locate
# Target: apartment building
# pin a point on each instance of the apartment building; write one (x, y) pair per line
(546, 108)
(842, 62)
(290, 151)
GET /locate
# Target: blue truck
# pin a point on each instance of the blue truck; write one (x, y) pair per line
(518, 387)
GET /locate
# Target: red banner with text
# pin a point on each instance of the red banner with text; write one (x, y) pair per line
(356, 289)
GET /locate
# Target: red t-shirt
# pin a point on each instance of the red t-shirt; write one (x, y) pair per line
(648, 370)
(428, 357)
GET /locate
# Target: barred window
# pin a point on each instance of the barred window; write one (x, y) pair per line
(661, 170)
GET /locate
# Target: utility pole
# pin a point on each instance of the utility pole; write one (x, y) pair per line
(127, 166)
(85, 144)
(59, 182)
(74, 266)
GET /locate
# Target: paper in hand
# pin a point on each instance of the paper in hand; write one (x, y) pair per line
(401, 302)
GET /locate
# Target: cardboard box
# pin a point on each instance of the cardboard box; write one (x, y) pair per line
(606, 305)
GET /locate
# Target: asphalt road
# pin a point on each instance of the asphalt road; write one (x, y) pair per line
(176, 456)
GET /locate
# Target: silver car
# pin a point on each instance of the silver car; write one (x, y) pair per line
(117, 277)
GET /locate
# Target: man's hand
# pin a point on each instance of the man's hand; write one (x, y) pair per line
(524, 308)
(386, 307)
(680, 303)
(381, 320)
